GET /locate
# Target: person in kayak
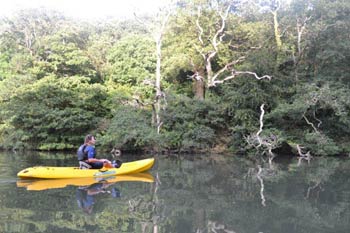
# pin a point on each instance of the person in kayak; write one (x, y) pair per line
(87, 154)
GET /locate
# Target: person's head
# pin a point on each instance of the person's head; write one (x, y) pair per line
(90, 139)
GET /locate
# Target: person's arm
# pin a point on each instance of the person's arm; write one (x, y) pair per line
(95, 160)
(98, 160)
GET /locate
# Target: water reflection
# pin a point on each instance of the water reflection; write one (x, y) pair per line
(44, 184)
(88, 188)
(86, 195)
(201, 194)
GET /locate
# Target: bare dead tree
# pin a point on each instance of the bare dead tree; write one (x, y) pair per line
(157, 29)
(267, 143)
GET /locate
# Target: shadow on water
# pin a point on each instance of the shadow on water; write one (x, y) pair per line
(192, 193)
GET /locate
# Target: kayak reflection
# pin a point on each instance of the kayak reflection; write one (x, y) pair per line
(44, 184)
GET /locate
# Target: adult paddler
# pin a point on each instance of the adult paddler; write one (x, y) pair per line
(87, 154)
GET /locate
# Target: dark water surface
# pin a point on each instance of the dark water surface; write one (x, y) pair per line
(191, 193)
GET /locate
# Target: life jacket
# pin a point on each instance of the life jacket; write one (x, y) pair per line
(82, 154)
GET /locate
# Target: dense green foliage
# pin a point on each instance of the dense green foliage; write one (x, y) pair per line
(60, 79)
(52, 113)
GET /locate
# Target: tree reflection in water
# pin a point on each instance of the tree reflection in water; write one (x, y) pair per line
(150, 212)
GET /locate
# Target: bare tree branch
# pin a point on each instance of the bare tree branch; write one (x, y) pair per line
(227, 66)
(310, 123)
(236, 73)
(319, 121)
(254, 74)
(199, 26)
(300, 28)
(221, 30)
(261, 118)
(216, 41)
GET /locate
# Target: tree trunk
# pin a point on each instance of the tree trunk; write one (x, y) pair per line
(157, 84)
(276, 30)
(199, 89)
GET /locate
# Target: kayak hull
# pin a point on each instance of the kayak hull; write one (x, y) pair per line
(75, 172)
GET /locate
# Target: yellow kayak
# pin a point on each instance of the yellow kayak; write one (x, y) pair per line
(75, 172)
(43, 184)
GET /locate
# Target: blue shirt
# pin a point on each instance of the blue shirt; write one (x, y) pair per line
(91, 152)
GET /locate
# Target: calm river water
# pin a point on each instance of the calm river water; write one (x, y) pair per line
(191, 193)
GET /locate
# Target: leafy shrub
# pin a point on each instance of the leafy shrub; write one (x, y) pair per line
(320, 144)
(129, 129)
(52, 112)
(191, 124)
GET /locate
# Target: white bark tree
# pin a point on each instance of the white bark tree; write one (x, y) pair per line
(157, 27)
(209, 53)
(266, 143)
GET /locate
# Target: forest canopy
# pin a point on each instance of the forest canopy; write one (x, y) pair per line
(201, 75)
